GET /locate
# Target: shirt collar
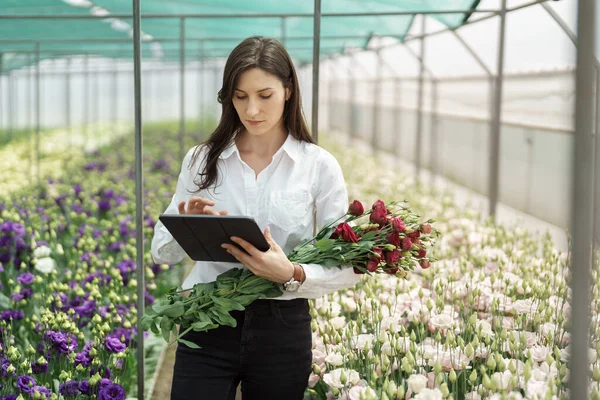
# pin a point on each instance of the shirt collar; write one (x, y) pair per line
(291, 146)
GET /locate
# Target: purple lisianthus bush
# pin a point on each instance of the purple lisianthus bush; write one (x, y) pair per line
(68, 287)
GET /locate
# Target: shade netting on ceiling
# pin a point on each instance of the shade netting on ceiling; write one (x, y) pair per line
(205, 37)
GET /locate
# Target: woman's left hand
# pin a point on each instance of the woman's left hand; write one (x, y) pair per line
(271, 264)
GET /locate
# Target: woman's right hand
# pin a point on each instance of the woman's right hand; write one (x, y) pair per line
(198, 205)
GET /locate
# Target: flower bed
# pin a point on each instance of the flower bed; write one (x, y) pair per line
(488, 320)
(67, 275)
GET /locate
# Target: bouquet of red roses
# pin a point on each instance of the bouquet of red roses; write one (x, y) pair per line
(391, 241)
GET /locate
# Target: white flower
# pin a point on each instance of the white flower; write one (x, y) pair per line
(332, 379)
(486, 328)
(429, 394)
(547, 328)
(538, 353)
(441, 321)
(536, 389)
(45, 265)
(525, 306)
(362, 393)
(416, 383)
(363, 341)
(338, 322)
(334, 359)
(472, 396)
(42, 251)
(509, 396)
(502, 380)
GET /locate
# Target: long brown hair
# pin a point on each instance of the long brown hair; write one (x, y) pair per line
(254, 52)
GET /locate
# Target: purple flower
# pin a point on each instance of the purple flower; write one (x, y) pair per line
(25, 383)
(104, 205)
(112, 392)
(83, 359)
(38, 368)
(26, 278)
(42, 390)
(77, 189)
(104, 382)
(84, 387)
(114, 345)
(9, 397)
(69, 389)
(15, 315)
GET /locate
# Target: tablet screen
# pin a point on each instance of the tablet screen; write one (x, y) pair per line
(201, 236)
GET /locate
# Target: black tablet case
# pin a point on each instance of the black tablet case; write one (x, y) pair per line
(201, 236)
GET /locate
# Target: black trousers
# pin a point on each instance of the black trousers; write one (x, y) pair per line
(269, 352)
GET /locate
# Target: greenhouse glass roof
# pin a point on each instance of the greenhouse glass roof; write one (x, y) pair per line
(212, 37)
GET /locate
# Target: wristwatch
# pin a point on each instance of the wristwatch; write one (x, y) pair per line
(296, 281)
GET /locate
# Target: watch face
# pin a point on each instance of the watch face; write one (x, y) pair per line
(292, 287)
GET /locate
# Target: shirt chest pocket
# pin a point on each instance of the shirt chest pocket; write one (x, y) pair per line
(289, 209)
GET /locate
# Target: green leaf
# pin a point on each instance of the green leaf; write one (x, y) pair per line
(223, 317)
(273, 292)
(170, 310)
(4, 302)
(227, 304)
(246, 299)
(190, 344)
(166, 325)
(203, 326)
(146, 322)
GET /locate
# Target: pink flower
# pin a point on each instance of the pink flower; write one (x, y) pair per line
(425, 228)
(393, 238)
(392, 257)
(379, 255)
(372, 265)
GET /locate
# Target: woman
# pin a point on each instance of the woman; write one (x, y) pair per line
(261, 162)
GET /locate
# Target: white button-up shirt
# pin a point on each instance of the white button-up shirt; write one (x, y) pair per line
(302, 178)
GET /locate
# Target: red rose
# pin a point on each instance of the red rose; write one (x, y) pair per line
(426, 228)
(372, 265)
(422, 253)
(392, 257)
(414, 235)
(393, 238)
(357, 271)
(346, 232)
(406, 243)
(425, 264)
(377, 257)
(356, 208)
(379, 205)
(391, 270)
(379, 217)
(398, 225)
(337, 233)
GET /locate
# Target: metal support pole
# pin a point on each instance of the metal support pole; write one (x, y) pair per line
(115, 102)
(181, 87)
(315, 69)
(283, 38)
(596, 191)
(1, 93)
(561, 22)
(68, 103)
(139, 191)
(581, 204)
(10, 104)
(397, 115)
(30, 128)
(433, 164)
(352, 89)
(377, 100)
(37, 111)
(85, 102)
(96, 101)
(419, 138)
(494, 166)
(330, 89)
(200, 89)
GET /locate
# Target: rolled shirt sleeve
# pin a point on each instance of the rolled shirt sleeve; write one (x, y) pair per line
(164, 248)
(331, 203)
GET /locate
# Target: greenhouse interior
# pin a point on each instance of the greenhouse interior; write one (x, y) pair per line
(466, 134)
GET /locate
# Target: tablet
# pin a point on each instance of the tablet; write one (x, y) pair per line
(201, 236)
